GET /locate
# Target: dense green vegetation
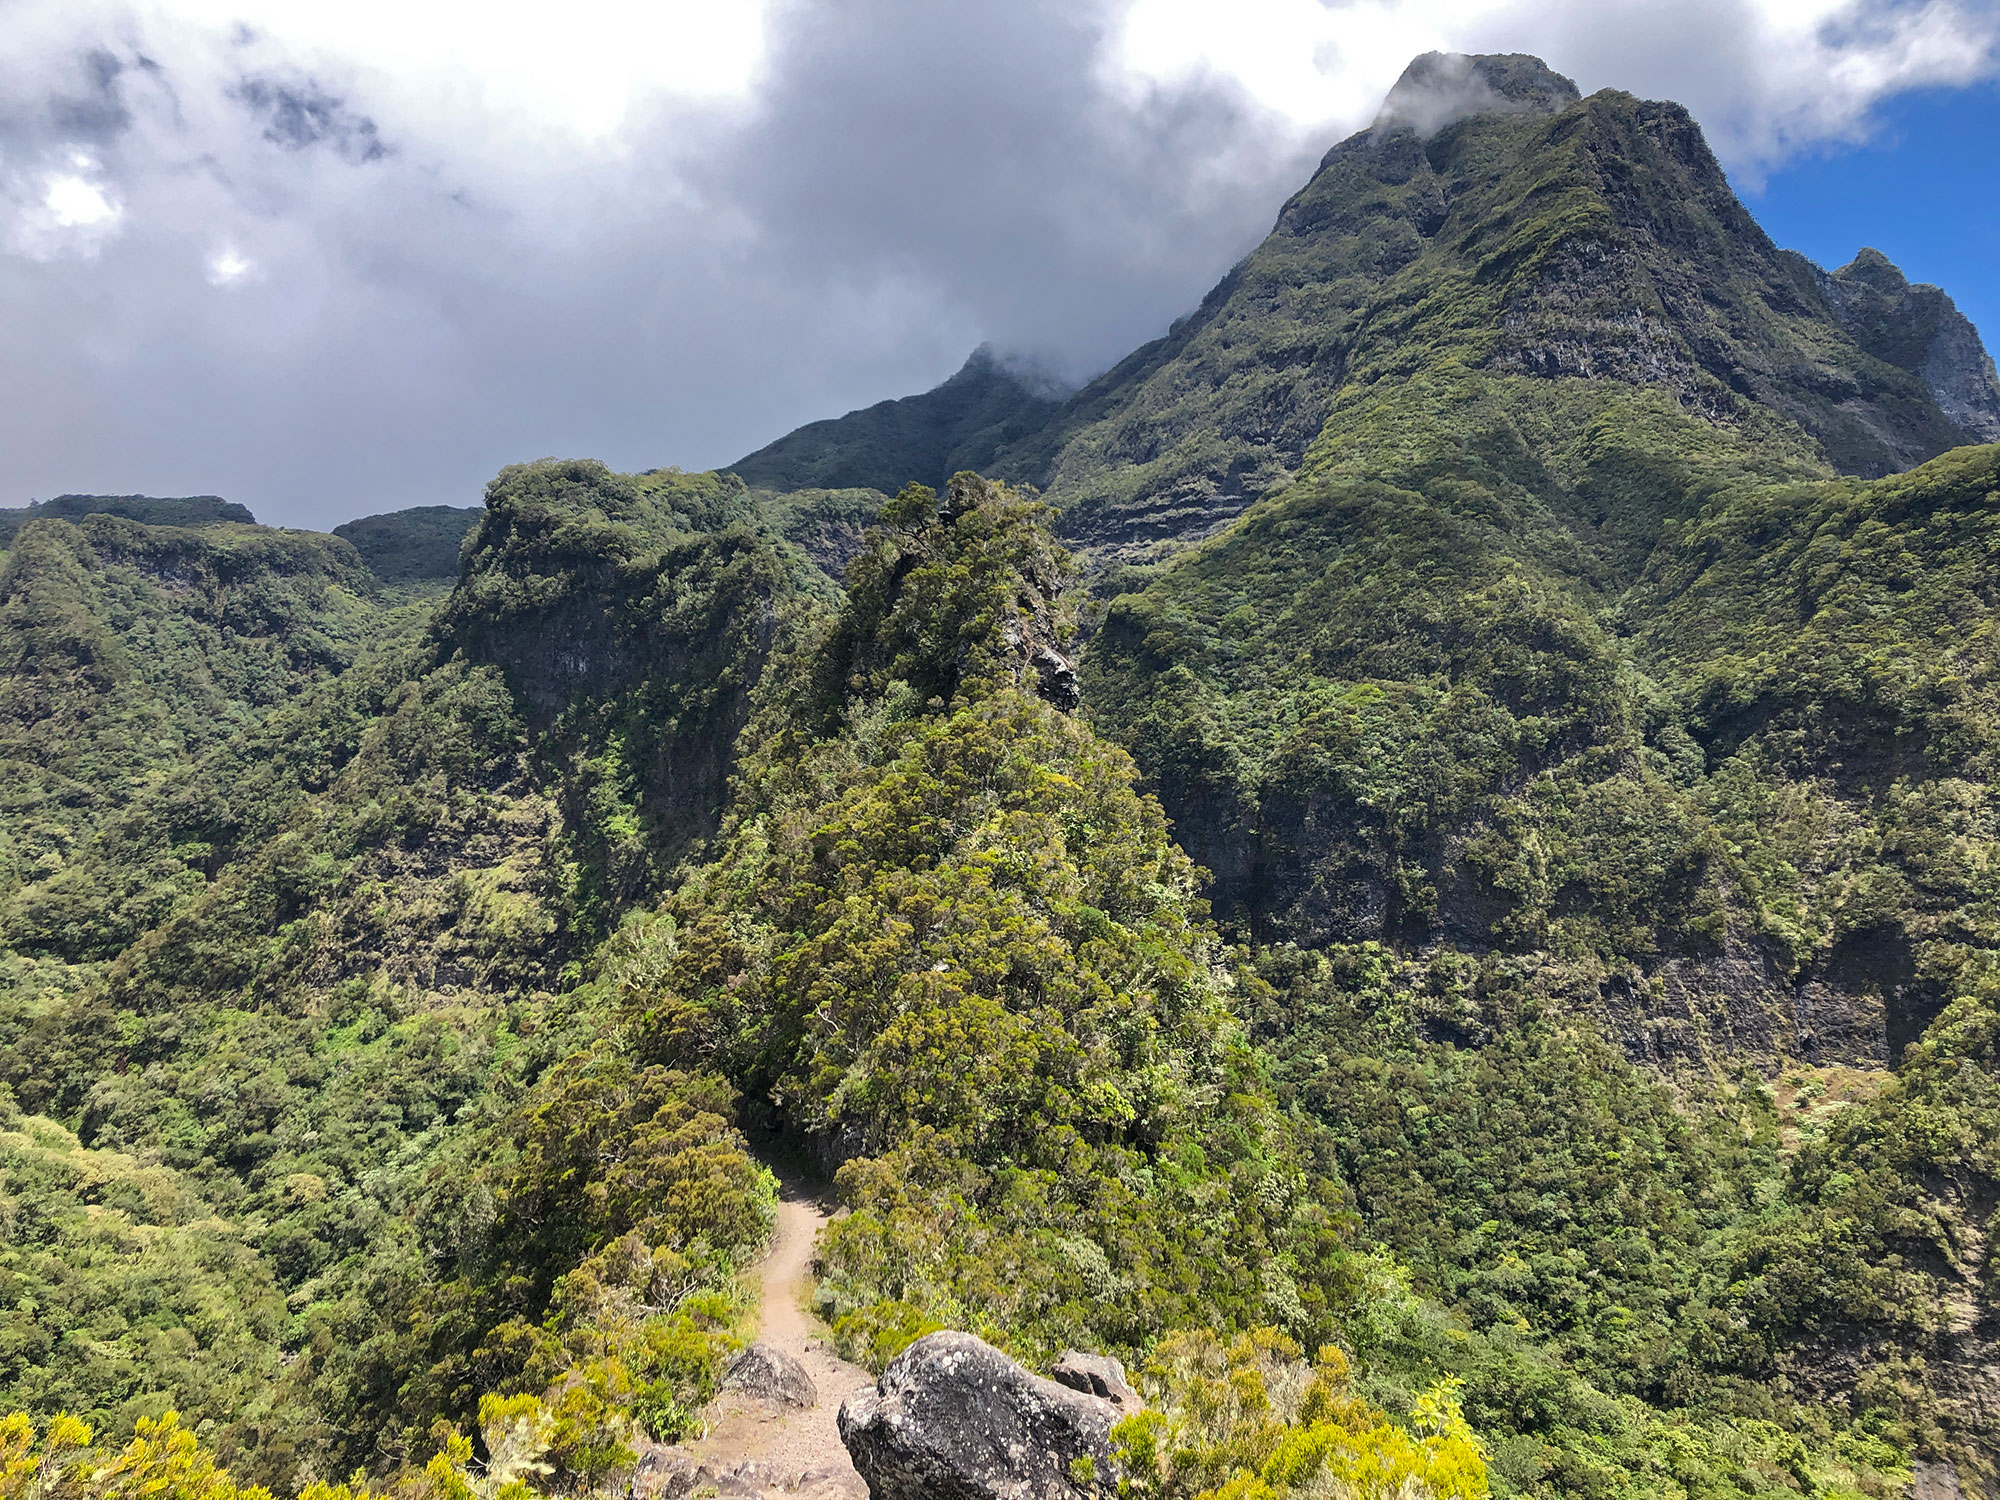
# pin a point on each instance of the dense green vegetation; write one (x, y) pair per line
(151, 510)
(1510, 910)
(415, 546)
(126, 650)
(321, 969)
(1506, 825)
(949, 943)
(961, 424)
(440, 1102)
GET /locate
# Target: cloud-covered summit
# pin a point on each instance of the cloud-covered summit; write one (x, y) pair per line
(1440, 88)
(331, 260)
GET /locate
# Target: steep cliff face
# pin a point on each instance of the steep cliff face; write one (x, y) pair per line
(632, 617)
(1403, 714)
(1919, 329)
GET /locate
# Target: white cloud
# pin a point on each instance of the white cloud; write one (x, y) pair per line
(662, 231)
(580, 68)
(66, 212)
(1767, 78)
(76, 203)
(225, 266)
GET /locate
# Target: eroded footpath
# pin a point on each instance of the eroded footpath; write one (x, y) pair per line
(756, 1445)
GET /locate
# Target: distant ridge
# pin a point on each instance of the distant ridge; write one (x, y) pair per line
(962, 424)
(150, 510)
(412, 546)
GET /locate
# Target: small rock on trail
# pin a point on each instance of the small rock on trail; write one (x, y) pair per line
(771, 1375)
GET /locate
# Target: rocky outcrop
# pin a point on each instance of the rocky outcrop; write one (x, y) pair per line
(1055, 678)
(1920, 329)
(771, 1375)
(1097, 1375)
(953, 1418)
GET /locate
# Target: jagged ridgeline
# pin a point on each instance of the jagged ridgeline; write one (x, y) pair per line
(948, 943)
(1477, 858)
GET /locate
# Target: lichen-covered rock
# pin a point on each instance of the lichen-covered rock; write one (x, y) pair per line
(772, 1375)
(953, 1418)
(1098, 1375)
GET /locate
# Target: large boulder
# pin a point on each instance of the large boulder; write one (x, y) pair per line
(953, 1418)
(771, 1375)
(1100, 1375)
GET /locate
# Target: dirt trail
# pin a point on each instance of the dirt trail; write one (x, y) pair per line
(756, 1447)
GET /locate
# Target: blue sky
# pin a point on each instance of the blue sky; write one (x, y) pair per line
(1925, 191)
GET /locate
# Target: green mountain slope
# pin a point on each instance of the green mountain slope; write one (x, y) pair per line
(295, 973)
(1501, 889)
(1565, 686)
(152, 510)
(129, 648)
(439, 1071)
(925, 439)
(414, 546)
(1523, 231)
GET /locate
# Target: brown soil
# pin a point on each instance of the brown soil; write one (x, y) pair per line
(756, 1447)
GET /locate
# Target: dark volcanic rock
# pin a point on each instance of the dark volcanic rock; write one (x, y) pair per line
(1919, 329)
(953, 1418)
(772, 1375)
(1099, 1375)
(1055, 679)
(664, 1473)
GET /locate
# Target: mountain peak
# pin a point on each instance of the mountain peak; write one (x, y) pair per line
(986, 363)
(1917, 328)
(1441, 88)
(994, 399)
(1872, 268)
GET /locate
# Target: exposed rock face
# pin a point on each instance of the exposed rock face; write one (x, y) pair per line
(953, 1418)
(1099, 1375)
(771, 1375)
(1919, 329)
(1055, 678)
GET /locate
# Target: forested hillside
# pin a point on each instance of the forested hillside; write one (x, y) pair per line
(1453, 929)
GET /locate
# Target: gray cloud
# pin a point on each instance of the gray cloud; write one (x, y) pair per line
(322, 287)
(302, 114)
